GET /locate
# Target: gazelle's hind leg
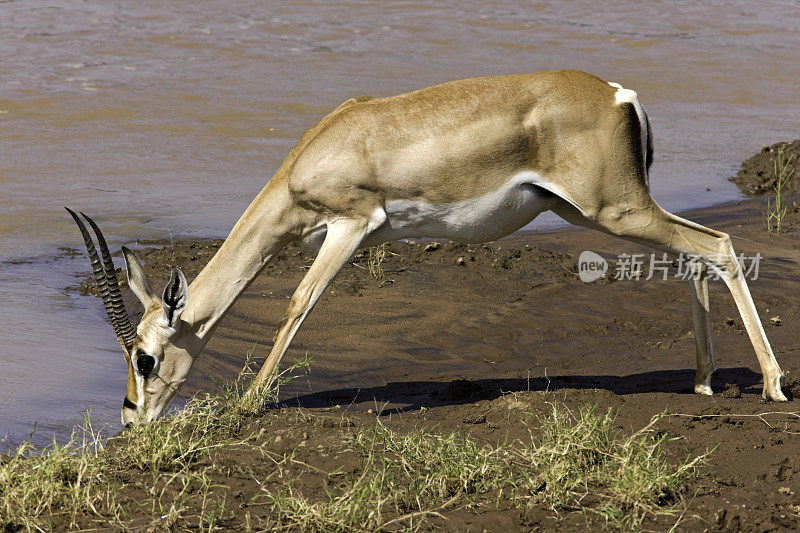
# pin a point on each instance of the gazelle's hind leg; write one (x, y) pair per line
(701, 315)
(652, 226)
(343, 238)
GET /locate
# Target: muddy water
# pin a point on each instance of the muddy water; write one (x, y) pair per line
(166, 117)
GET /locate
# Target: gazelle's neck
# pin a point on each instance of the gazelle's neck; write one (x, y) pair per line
(263, 230)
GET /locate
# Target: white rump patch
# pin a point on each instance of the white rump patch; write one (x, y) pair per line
(625, 96)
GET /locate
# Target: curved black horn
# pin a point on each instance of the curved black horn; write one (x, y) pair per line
(107, 284)
(128, 332)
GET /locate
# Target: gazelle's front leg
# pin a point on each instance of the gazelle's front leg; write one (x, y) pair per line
(701, 314)
(343, 238)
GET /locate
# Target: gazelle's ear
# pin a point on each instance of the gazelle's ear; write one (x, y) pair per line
(137, 279)
(175, 298)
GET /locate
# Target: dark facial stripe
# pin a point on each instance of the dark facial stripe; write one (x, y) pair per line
(128, 404)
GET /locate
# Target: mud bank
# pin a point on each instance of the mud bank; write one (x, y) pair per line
(759, 173)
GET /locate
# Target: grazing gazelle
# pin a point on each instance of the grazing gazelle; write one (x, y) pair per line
(470, 160)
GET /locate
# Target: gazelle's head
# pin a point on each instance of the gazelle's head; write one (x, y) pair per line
(158, 358)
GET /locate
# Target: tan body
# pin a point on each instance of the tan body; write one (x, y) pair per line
(471, 160)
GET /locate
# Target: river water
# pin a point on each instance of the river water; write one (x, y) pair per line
(166, 117)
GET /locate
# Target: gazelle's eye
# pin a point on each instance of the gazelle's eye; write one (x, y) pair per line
(145, 363)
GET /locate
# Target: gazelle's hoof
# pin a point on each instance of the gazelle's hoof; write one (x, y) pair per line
(772, 389)
(703, 389)
(775, 397)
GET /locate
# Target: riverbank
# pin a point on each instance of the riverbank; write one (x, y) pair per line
(441, 377)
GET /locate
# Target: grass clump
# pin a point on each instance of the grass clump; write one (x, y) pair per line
(177, 442)
(377, 255)
(781, 172)
(374, 257)
(403, 479)
(66, 478)
(580, 462)
(573, 462)
(84, 478)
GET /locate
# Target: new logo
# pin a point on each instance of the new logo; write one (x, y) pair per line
(591, 266)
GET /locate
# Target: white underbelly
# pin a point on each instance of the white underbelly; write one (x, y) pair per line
(481, 219)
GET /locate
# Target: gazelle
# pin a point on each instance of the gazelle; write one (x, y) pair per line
(470, 160)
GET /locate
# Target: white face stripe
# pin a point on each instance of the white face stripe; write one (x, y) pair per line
(140, 392)
(627, 96)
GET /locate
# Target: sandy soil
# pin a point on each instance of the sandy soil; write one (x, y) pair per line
(514, 316)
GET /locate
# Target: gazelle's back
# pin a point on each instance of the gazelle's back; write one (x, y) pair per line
(455, 141)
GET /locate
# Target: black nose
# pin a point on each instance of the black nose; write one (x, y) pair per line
(145, 364)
